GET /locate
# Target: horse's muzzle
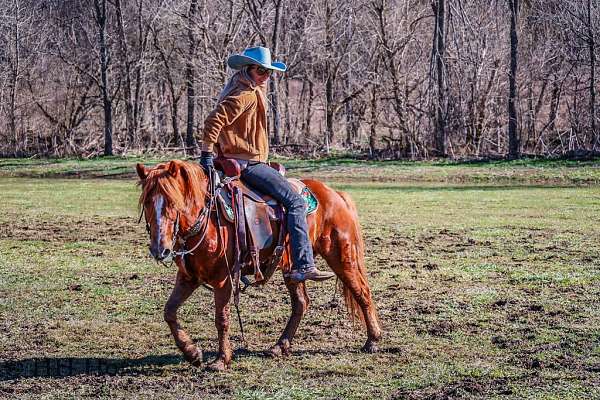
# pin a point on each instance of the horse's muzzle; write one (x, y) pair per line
(162, 255)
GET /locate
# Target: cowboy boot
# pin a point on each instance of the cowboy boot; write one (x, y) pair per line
(311, 273)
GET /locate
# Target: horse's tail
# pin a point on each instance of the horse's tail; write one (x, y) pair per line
(358, 252)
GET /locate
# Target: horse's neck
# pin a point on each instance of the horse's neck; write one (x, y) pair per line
(205, 247)
(209, 251)
(195, 211)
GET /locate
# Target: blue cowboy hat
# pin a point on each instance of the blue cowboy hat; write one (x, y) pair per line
(255, 56)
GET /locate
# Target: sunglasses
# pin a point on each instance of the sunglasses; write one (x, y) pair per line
(263, 71)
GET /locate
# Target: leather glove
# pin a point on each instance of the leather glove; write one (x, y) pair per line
(206, 160)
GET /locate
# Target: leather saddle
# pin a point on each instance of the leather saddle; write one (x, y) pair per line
(258, 219)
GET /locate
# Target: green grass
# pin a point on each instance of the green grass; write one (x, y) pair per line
(103, 167)
(339, 169)
(486, 288)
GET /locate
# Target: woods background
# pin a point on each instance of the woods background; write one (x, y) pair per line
(395, 78)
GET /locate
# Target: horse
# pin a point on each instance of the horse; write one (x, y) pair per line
(175, 195)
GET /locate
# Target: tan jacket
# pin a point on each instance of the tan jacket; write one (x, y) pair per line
(238, 126)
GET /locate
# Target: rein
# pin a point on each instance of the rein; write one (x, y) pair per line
(200, 226)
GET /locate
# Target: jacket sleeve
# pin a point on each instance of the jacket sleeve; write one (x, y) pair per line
(224, 114)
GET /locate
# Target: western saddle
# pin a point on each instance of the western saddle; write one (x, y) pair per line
(258, 219)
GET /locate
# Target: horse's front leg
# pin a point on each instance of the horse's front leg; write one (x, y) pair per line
(300, 302)
(223, 359)
(181, 292)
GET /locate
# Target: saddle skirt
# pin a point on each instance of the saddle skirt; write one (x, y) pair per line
(261, 210)
(259, 223)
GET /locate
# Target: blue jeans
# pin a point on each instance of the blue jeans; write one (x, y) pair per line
(268, 181)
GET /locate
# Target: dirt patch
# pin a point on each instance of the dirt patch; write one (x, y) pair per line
(441, 328)
(466, 388)
(68, 230)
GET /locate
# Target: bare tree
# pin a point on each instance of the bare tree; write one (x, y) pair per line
(274, 82)
(170, 55)
(440, 74)
(396, 29)
(108, 76)
(126, 73)
(190, 74)
(14, 33)
(591, 40)
(513, 134)
(100, 17)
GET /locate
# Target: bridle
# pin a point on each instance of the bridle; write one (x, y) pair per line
(200, 226)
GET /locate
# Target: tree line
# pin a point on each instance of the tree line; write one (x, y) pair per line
(387, 78)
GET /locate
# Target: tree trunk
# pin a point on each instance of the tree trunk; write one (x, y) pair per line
(177, 139)
(373, 131)
(129, 117)
(141, 43)
(330, 77)
(554, 101)
(592, 49)
(513, 135)
(14, 79)
(190, 75)
(274, 81)
(100, 9)
(329, 109)
(440, 103)
(308, 116)
(350, 124)
(288, 119)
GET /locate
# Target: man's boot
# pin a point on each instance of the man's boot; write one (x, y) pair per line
(310, 273)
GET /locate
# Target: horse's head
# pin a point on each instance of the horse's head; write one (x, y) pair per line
(172, 194)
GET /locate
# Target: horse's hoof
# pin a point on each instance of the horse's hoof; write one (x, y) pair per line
(219, 365)
(279, 350)
(274, 352)
(370, 347)
(195, 359)
(196, 363)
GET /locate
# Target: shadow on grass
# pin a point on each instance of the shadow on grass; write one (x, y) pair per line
(61, 367)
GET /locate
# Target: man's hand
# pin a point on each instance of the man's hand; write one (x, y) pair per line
(206, 160)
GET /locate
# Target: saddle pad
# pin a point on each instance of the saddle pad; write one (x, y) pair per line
(224, 199)
(311, 201)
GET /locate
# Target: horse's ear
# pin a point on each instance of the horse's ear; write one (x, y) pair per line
(173, 168)
(142, 171)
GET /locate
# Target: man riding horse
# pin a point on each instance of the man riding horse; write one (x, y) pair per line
(237, 127)
(185, 225)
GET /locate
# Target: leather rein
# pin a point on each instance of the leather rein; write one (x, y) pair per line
(200, 226)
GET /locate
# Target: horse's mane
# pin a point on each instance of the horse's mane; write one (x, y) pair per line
(178, 193)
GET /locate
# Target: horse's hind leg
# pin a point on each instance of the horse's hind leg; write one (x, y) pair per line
(345, 258)
(300, 302)
(181, 292)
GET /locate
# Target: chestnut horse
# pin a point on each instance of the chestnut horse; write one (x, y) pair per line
(174, 195)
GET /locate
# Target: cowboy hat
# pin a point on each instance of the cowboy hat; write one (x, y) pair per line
(255, 56)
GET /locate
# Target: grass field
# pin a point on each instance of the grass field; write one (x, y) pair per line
(486, 277)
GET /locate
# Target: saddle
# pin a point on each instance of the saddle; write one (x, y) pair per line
(258, 220)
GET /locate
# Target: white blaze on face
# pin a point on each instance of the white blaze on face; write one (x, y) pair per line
(159, 201)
